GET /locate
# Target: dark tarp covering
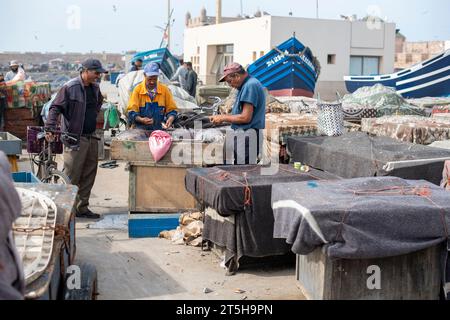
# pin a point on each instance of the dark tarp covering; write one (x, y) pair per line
(247, 229)
(361, 218)
(357, 154)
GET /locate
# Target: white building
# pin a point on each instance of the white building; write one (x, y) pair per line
(343, 47)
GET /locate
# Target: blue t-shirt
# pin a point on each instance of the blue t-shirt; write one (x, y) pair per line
(251, 92)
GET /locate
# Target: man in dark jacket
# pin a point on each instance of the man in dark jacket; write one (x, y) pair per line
(79, 102)
(191, 80)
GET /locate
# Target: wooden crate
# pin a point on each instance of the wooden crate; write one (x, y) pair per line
(414, 276)
(195, 152)
(17, 121)
(158, 188)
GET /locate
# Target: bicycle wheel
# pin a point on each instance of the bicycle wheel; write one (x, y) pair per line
(57, 177)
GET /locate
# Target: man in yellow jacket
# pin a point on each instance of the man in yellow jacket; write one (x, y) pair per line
(151, 105)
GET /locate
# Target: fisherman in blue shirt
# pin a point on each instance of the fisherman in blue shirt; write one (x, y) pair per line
(247, 116)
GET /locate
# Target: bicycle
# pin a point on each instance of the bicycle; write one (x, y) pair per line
(43, 154)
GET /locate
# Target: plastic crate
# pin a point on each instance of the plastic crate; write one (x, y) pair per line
(150, 225)
(34, 145)
(25, 177)
(10, 144)
(114, 76)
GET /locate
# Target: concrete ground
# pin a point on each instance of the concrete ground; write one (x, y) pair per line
(155, 268)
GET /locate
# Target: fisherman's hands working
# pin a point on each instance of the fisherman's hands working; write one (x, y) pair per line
(145, 120)
(217, 119)
(168, 123)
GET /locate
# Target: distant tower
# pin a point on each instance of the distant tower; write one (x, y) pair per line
(188, 18)
(218, 11)
(203, 15)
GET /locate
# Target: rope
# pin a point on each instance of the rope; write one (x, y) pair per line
(424, 192)
(315, 61)
(29, 230)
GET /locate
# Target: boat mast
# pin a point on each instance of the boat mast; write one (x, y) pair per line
(317, 9)
(169, 14)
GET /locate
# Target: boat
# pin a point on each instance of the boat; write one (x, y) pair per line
(430, 78)
(290, 69)
(168, 63)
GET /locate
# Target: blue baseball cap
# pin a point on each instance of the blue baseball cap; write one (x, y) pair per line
(151, 69)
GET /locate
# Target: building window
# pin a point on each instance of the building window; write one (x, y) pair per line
(331, 59)
(364, 66)
(224, 57)
(198, 50)
(409, 58)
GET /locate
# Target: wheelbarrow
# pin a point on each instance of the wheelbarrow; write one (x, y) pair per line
(57, 275)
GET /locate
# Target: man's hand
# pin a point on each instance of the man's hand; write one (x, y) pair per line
(49, 137)
(145, 120)
(217, 119)
(168, 123)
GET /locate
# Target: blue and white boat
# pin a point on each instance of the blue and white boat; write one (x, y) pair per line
(169, 64)
(430, 78)
(290, 69)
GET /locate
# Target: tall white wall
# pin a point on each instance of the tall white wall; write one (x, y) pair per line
(339, 37)
(246, 36)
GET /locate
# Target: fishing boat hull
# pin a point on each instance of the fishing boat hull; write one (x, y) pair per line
(430, 78)
(169, 64)
(287, 70)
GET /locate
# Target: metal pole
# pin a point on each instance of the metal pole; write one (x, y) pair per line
(168, 24)
(242, 10)
(317, 9)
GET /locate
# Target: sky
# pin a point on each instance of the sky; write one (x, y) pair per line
(122, 25)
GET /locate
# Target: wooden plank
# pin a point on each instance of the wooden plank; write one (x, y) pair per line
(159, 189)
(132, 188)
(189, 152)
(415, 276)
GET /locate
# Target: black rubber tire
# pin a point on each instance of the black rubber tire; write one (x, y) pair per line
(89, 285)
(62, 178)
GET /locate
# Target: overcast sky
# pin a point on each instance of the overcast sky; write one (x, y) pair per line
(121, 25)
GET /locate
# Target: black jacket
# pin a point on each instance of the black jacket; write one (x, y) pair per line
(71, 103)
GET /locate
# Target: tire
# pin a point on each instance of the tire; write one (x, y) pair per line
(57, 177)
(89, 285)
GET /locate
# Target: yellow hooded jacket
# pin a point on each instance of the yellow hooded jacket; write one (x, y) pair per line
(159, 109)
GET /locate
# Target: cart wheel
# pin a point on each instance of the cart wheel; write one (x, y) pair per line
(88, 290)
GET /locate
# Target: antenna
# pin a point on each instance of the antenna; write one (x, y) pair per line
(242, 10)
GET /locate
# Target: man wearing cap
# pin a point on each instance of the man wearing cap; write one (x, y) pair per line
(248, 113)
(136, 65)
(16, 73)
(151, 105)
(79, 102)
(181, 74)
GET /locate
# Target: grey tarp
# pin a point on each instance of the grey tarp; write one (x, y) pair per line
(361, 218)
(357, 154)
(11, 274)
(247, 230)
